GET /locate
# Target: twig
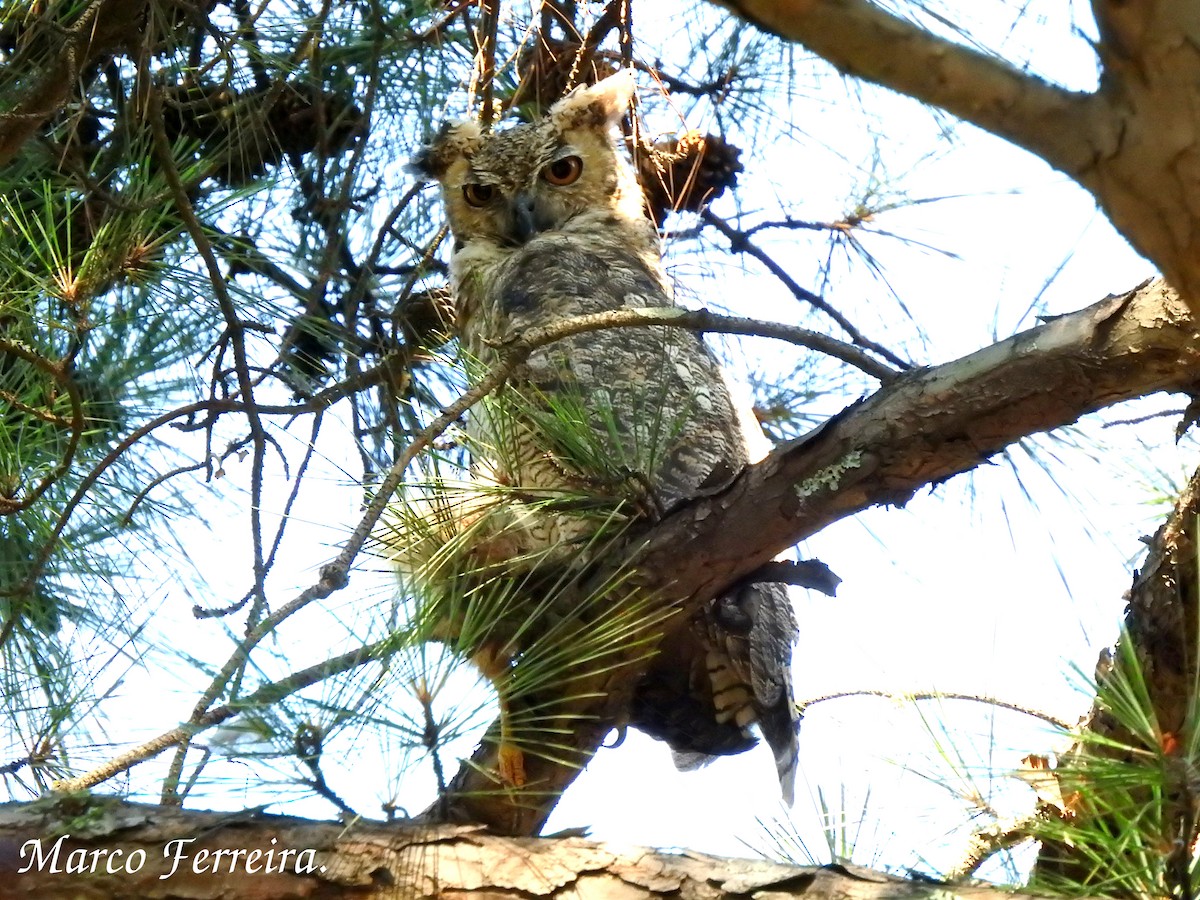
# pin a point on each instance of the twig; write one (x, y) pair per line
(1138, 420)
(717, 87)
(789, 224)
(739, 243)
(269, 693)
(431, 739)
(802, 706)
(554, 12)
(233, 325)
(141, 495)
(309, 745)
(705, 320)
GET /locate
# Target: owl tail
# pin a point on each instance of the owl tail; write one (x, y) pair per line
(780, 733)
(780, 728)
(771, 635)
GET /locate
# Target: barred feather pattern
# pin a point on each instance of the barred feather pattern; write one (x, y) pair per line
(651, 421)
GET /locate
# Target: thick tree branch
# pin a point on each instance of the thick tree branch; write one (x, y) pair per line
(1133, 144)
(372, 860)
(932, 424)
(920, 430)
(861, 38)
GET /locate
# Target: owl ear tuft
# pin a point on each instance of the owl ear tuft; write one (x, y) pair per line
(599, 105)
(453, 140)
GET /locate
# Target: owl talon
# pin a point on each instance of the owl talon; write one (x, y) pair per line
(510, 765)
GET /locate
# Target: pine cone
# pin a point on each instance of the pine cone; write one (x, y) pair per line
(687, 172)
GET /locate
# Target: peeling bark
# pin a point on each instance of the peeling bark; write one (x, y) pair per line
(374, 860)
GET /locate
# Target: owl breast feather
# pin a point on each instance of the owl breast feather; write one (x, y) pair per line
(654, 396)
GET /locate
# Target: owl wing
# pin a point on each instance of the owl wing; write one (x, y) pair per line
(656, 411)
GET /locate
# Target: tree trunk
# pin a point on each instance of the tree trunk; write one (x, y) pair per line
(1155, 663)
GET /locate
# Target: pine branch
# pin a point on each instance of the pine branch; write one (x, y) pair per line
(739, 242)
(103, 27)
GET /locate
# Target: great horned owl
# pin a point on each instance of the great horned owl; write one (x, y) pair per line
(548, 223)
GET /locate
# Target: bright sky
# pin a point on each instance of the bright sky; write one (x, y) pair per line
(973, 588)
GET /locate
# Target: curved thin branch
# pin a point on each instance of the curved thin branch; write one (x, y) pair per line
(705, 320)
(269, 693)
(739, 242)
(912, 696)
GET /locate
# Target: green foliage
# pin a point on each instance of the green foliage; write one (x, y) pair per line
(1122, 822)
(501, 573)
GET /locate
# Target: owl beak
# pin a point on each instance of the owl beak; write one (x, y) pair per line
(524, 217)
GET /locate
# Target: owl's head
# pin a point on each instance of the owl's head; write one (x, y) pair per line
(510, 185)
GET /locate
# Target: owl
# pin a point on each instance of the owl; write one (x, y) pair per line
(548, 222)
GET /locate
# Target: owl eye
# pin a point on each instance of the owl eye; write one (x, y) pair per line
(478, 194)
(563, 171)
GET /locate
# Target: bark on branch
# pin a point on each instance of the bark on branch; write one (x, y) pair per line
(373, 860)
(930, 425)
(921, 429)
(862, 39)
(41, 80)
